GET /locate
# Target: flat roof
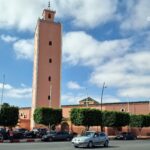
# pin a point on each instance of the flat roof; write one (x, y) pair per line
(115, 103)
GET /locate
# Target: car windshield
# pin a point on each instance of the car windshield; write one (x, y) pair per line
(51, 132)
(88, 134)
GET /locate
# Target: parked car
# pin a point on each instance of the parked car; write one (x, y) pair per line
(18, 133)
(57, 136)
(39, 132)
(126, 136)
(1, 137)
(21, 130)
(29, 134)
(3, 134)
(90, 139)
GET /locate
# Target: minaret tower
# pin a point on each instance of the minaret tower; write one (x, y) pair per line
(47, 63)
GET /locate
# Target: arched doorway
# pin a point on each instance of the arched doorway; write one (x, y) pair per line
(64, 126)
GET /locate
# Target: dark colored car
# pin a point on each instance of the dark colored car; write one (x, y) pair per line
(57, 136)
(19, 133)
(39, 132)
(29, 134)
(21, 130)
(3, 134)
(126, 136)
(1, 137)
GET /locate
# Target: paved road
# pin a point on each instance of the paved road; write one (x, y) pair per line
(114, 145)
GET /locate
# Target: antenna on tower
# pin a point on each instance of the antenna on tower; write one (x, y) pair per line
(49, 5)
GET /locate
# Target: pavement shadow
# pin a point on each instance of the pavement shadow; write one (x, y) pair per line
(109, 147)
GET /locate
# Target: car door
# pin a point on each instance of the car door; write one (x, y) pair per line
(57, 136)
(96, 139)
(60, 136)
(102, 138)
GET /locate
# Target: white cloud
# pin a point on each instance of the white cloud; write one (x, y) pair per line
(8, 38)
(20, 14)
(70, 98)
(24, 49)
(135, 92)
(11, 92)
(6, 86)
(125, 71)
(107, 98)
(136, 15)
(79, 47)
(74, 85)
(130, 74)
(87, 13)
(23, 14)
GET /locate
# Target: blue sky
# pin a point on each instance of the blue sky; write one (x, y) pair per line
(103, 41)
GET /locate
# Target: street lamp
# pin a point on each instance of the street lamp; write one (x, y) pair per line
(87, 98)
(101, 105)
(149, 106)
(2, 92)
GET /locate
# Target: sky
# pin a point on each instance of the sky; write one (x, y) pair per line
(102, 41)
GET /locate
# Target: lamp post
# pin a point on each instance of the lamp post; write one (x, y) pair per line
(2, 92)
(101, 105)
(87, 98)
(149, 106)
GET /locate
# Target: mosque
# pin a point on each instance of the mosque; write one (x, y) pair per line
(47, 80)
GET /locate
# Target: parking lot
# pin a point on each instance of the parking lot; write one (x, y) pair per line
(114, 145)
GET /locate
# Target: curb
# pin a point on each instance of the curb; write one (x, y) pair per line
(20, 141)
(138, 137)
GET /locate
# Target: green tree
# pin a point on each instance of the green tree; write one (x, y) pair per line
(140, 121)
(48, 116)
(9, 115)
(147, 120)
(86, 117)
(76, 116)
(115, 119)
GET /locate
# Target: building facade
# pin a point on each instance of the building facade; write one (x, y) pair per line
(130, 107)
(47, 79)
(47, 63)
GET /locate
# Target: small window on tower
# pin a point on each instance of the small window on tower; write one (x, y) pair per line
(50, 42)
(49, 97)
(49, 15)
(50, 60)
(49, 78)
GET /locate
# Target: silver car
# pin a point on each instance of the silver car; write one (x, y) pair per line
(90, 139)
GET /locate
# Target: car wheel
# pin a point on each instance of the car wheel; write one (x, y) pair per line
(90, 144)
(75, 146)
(1, 138)
(50, 139)
(106, 144)
(125, 138)
(68, 139)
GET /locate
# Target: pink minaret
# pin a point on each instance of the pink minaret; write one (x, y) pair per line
(47, 63)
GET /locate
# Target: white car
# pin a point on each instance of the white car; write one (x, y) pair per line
(90, 139)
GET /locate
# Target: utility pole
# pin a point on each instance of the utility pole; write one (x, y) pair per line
(87, 98)
(128, 104)
(149, 105)
(3, 85)
(102, 105)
